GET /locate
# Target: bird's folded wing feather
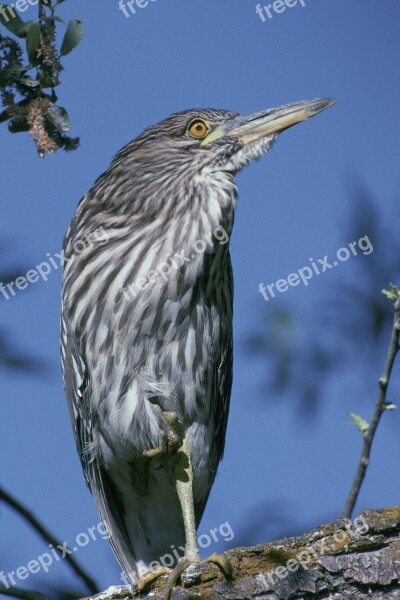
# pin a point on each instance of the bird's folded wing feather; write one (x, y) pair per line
(77, 387)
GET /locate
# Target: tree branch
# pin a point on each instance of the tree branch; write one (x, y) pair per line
(336, 561)
(24, 594)
(49, 538)
(380, 407)
(30, 68)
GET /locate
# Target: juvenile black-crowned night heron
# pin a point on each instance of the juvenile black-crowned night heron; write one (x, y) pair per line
(147, 324)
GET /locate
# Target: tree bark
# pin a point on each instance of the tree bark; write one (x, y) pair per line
(341, 560)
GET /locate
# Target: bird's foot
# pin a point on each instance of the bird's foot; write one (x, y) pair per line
(173, 578)
(221, 562)
(145, 580)
(172, 437)
(174, 575)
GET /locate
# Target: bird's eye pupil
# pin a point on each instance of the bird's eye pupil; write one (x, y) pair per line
(198, 129)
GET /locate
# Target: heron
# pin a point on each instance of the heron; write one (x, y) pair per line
(148, 375)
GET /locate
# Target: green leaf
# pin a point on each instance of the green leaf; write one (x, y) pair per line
(72, 36)
(11, 20)
(15, 68)
(392, 293)
(29, 82)
(18, 124)
(47, 80)
(33, 38)
(390, 406)
(54, 18)
(23, 27)
(362, 425)
(58, 116)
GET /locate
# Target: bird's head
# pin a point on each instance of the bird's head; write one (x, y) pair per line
(194, 149)
(219, 139)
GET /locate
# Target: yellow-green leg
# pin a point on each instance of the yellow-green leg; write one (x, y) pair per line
(184, 486)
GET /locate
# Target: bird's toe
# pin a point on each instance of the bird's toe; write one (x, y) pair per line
(171, 437)
(145, 580)
(221, 562)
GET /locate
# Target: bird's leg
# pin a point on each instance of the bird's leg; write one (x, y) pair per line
(183, 473)
(184, 486)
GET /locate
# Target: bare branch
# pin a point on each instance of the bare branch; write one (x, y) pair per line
(49, 538)
(24, 594)
(380, 407)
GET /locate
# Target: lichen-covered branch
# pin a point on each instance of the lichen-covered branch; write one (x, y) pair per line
(337, 561)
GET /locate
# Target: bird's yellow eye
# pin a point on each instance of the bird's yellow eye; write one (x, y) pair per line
(198, 129)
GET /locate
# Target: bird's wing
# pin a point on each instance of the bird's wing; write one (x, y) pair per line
(223, 394)
(224, 363)
(221, 373)
(76, 384)
(77, 388)
(222, 380)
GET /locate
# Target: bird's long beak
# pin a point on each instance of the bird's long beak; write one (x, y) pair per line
(268, 122)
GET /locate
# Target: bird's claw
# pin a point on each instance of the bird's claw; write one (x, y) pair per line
(173, 578)
(217, 559)
(221, 562)
(145, 580)
(172, 437)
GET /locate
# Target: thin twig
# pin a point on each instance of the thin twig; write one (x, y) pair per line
(380, 407)
(49, 538)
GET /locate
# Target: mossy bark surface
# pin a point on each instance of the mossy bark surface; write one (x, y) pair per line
(340, 560)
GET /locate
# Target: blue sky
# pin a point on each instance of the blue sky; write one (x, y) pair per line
(129, 73)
